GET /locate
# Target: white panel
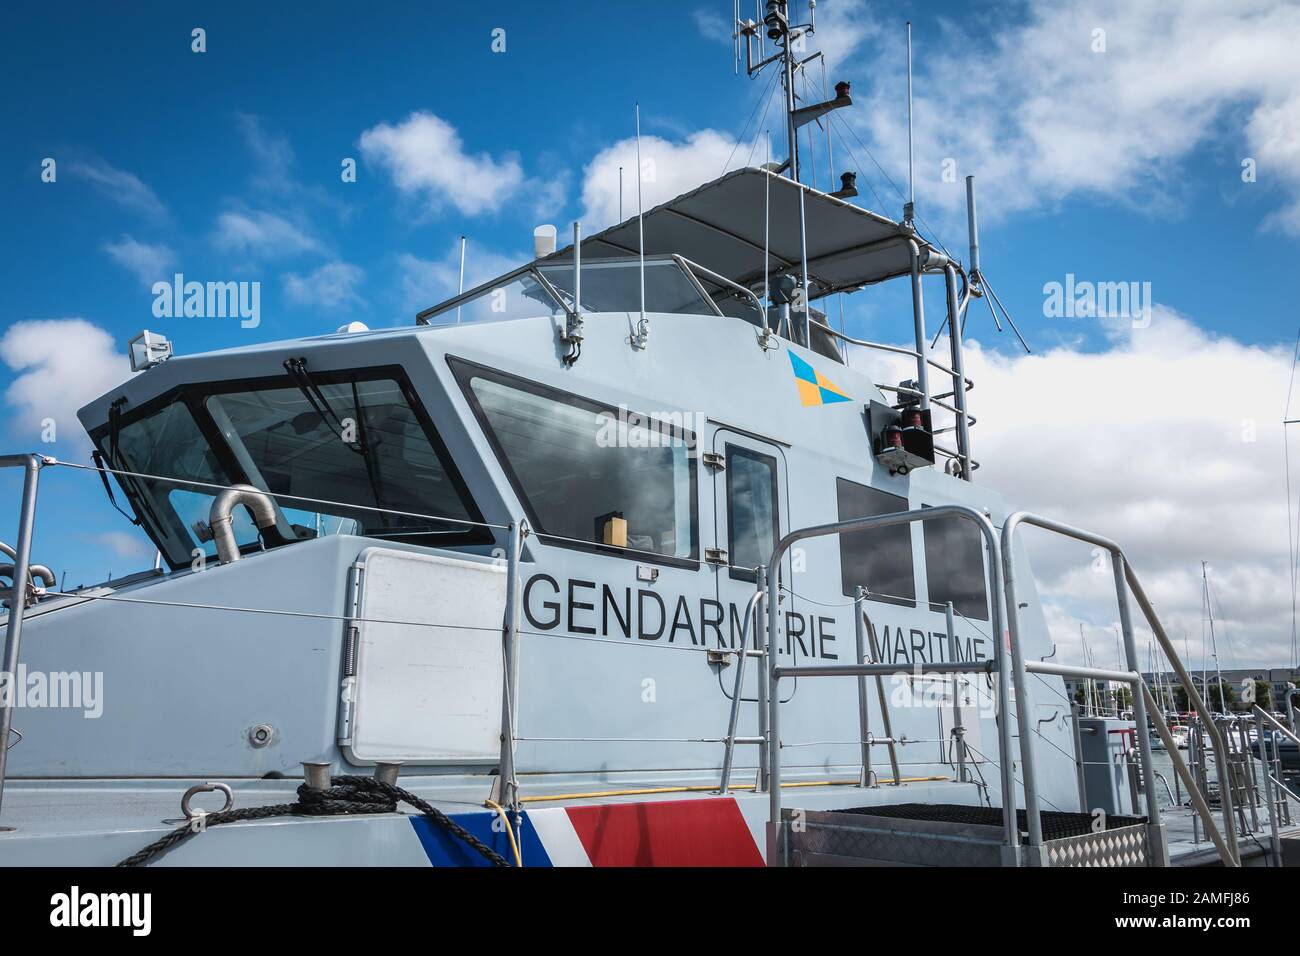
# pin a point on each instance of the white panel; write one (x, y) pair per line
(428, 694)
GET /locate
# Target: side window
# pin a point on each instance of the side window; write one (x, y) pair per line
(589, 475)
(954, 566)
(880, 560)
(753, 516)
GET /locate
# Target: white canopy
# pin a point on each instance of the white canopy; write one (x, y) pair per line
(722, 226)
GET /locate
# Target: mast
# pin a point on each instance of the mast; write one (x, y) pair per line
(1214, 646)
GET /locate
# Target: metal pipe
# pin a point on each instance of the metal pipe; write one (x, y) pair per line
(918, 322)
(1023, 715)
(972, 227)
(1011, 831)
(1072, 670)
(733, 718)
(864, 719)
(18, 601)
(1139, 701)
(958, 731)
(460, 289)
(1078, 757)
(221, 513)
(1139, 595)
(510, 683)
(959, 371)
(764, 689)
(886, 720)
(883, 670)
(1268, 784)
(1226, 852)
(1193, 698)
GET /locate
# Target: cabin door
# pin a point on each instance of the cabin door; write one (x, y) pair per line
(750, 514)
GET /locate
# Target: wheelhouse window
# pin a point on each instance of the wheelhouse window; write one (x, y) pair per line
(881, 559)
(608, 285)
(589, 475)
(357, 440)
(954, 567)
(614, 285)
(752, 510)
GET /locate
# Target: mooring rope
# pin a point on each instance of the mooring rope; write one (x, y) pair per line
(345, 795)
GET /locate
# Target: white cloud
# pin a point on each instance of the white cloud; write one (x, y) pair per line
(331, 286)
(59, 366)
(124, 188)
(272, 154)
(260, 234)
(150, 263)
(425, 156)
(124, 544)
(1038, 116)
(671, 168)
(427, 282)
(1149, 443)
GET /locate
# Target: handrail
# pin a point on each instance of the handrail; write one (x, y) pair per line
(1277, 724)
(1011, 831)
(1123, 573)
(1134, 680)
(723, 280)
(31, 465)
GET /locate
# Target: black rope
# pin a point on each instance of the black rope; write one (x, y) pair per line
(345, 795)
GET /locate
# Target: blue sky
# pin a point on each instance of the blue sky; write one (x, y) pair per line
(1122, 164)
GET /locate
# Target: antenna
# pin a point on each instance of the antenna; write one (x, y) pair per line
(620, 194)
(461, 288)
(910, 207)
(642, 327)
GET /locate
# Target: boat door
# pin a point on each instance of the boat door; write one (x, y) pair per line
(751, 505)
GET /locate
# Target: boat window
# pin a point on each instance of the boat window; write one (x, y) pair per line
(752, 510)
(954, 567)
(615, 286)
(371, 447)
(522, 296)
(879, 560)
(366, 448)
(589, 475)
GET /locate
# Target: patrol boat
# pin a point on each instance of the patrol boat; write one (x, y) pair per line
(620, 558)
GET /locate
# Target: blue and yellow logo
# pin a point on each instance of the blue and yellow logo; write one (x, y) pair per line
(814, 388)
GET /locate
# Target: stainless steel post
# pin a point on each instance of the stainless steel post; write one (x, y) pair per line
(1268, 785)
(864, 718)
(764, 687)
(1078, 756)
(1196, 702)
(1023, 710)
(775, 855)
(510, 686)
(958, 371)
(918, 322)
(749, 627)
(18, 603)
(958, 730)
(1139, 700)
(1226, 852)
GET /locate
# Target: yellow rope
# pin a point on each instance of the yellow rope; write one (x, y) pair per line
(514, 846)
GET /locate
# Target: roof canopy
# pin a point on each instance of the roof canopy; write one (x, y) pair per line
(722, 226)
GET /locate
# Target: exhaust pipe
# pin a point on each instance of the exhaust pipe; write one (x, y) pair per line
(219, 517)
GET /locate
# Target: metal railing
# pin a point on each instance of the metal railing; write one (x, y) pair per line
(1011, 669)
(1125, 581)
(31, 465)
(1011, 831)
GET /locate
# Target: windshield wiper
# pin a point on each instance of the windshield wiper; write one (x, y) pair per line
(302, 380)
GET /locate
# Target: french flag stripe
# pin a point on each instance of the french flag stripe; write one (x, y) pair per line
(698, 832)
